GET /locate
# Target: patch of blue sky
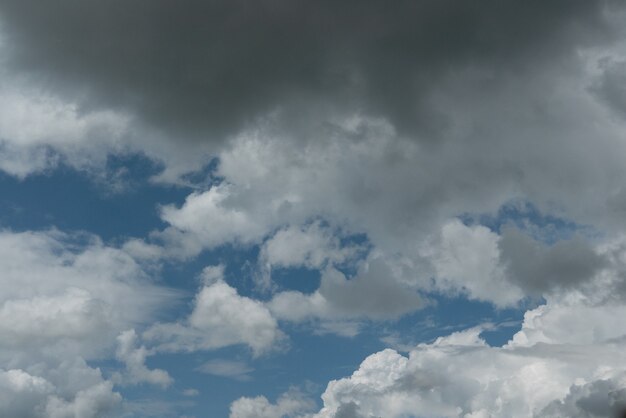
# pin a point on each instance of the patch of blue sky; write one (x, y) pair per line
(301, 279)
(70, 201)
(443, 315)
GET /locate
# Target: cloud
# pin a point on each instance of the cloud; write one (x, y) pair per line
(184, 91)
(374, 293)
(220, 317)
(71, 390)
(227, 368)
(567, 359)
(39, 131)
(387, 121)
(65, 298)
(467, 260)
(311, 246)
(290, 404)
(70, 294)
(600, 398)
(460, 375)
(209, 77)
(135, 360)
(539, 269)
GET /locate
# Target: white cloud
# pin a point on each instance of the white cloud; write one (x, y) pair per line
(466, 260)
(71, 390)
(191, 392)
(135, 360)
(220, 318)
(232, 369)
(65, 298)
(562, 352)
(311, 246)
(62, 296)
(290, 404)
(37, 131)
(210, 219)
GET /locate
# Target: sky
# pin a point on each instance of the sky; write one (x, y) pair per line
(313, 209)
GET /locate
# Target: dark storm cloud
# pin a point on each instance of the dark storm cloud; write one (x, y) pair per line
(207, 68)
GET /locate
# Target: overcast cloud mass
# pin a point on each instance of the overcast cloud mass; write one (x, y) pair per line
(313, 209)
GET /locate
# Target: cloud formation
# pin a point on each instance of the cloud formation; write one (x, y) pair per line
(220, 317)
(404, 124)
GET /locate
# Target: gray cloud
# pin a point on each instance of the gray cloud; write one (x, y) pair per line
(538, 268)
(207, 68)
(611, 85)
(600, 398)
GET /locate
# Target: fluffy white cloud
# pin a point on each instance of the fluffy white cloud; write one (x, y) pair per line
(311, 246)
(65, 298)
(37, 131)
(210, 219)
(66, 294)
(566, 360)
(69, 391)
(290, 404)
(220, 317)
(466, 260)
(135, 360)
(566, 351)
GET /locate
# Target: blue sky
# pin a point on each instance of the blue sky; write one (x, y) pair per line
(312, 210)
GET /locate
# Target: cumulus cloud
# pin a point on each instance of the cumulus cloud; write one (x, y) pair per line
(311, 246)
(290, 404)
(65, 298)
(71, 390)
(567, 359)
(220, 317)
(467, 260)
(600, 398)
(374, 293)
(70, 294)
(135, 360)
(461, 376)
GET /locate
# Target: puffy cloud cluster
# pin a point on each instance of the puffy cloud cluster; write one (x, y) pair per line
(290, 404)
(567, 360)
(69, 294)
(65, 299)
(71, 389)
(135, 360)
